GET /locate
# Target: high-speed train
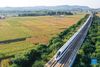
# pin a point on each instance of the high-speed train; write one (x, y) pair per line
(65, 47)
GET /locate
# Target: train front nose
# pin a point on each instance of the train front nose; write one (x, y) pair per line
(57, 57)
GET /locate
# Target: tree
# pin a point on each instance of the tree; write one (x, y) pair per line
(20, 60)
(86, 60)
(88, 48)
(38, 64)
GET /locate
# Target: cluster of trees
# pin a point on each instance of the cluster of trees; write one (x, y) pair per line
(44, 13)
(97, 52)
(38, 56)
(13, 12)
(88, 49)
(33, 13)
(28, 58)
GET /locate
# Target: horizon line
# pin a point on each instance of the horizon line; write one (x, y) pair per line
(44, 6)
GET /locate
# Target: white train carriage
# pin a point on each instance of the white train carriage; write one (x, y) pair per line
(65, 47)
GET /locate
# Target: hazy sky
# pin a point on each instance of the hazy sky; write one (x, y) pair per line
(22, 3)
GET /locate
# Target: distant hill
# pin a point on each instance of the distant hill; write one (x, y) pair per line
(55, 8)
(41, 10)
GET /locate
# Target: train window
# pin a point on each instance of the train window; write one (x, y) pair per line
(58, 53)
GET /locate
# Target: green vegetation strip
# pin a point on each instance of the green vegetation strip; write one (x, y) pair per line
(38, 56)
(91, 46)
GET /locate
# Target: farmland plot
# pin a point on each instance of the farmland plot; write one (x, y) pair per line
(41, 29)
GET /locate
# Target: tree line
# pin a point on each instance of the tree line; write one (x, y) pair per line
(44, 13)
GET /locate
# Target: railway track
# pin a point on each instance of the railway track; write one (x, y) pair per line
(69, 56)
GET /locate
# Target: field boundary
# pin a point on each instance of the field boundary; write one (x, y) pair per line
(13, 40)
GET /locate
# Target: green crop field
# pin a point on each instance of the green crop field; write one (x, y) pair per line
(13, 48)
(40, 29)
